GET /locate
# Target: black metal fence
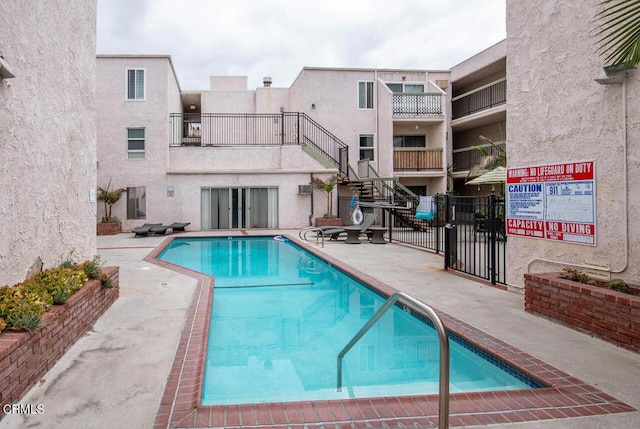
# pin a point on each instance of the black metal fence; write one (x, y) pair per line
(470, 231)
(480, 99)
(256, 129)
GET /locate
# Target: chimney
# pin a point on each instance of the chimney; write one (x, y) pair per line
(266, 81)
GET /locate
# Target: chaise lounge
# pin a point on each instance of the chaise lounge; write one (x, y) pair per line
(333, 232)
(144, 230)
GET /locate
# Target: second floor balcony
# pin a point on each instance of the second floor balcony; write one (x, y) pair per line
(479, 99)
(417, 159)
(467, 157)
(410, 105)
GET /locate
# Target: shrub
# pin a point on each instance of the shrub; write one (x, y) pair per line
(618, 285)
(22, 305)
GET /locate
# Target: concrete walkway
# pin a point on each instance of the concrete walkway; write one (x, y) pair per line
(115, 375)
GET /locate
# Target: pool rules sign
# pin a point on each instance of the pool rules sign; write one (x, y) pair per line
(554, 202)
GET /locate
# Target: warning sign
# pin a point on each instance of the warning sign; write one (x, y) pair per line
(555, 202)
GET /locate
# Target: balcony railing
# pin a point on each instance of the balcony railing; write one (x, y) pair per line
(421, 105)
(465, 158)
(483, 98)
(417, 159)
(255, 129)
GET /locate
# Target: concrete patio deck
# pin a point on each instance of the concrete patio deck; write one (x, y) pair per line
(115, 376)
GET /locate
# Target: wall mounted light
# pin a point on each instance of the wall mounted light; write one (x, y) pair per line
(613, 75)
(171, 190)
(313, 106)
(192, 106)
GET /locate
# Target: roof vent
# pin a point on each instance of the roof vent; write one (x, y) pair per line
(266, 81)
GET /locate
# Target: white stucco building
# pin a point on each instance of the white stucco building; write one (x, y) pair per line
(47, 134)
(558, 113)
(230, 157)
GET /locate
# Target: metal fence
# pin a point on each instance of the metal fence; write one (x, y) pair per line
(470, 231)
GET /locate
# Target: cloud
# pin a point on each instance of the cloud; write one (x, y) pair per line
(279, 37)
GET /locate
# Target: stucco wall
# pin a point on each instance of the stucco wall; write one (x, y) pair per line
(558, 113)
(47, 134)
(116, 114)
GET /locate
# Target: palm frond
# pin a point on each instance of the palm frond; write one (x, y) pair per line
(619, 32)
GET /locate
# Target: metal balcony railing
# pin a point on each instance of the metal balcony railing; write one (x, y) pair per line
(256, 129)
(420, 105)
(465, 158)
(482, 98)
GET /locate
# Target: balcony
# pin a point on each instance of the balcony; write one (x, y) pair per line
(465, 158)
(479, 99)
(417, 159)
(228, 130)
(426, 105)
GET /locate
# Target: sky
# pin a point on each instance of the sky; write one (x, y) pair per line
(278, 38)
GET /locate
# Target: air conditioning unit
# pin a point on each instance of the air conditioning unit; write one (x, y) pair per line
(304, 189)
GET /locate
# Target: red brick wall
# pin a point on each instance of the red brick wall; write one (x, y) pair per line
(25, 357)
(606, 314)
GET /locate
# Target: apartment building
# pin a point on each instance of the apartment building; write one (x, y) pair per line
(47, 134)
(233, 157)
(478, 114)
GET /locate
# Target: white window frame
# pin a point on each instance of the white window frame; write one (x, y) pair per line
(368, 98)
(133, 154)
(404, 87)
(136, 84)
(371, 148)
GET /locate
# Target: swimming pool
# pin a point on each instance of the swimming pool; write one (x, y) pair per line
(280, 315)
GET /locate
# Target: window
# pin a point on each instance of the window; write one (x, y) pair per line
(407, 88)
(137, 203)
(409, 141)
(365, 95)
(135, 84)
(366, 147)
(135, 143)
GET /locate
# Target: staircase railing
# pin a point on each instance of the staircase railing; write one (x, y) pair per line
(253, 129)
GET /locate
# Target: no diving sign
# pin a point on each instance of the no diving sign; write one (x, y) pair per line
(554, 202)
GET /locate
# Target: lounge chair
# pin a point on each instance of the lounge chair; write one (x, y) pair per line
(159, 229)
(179, 226)
(144, 230)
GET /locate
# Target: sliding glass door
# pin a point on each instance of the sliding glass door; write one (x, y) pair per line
(233, 208)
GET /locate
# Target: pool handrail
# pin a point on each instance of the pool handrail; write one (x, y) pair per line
(443, 409)
(319, 233)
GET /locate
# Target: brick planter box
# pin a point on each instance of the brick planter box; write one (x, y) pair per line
(606, 314)
(111, 228)
(25, 357)
(336, 221)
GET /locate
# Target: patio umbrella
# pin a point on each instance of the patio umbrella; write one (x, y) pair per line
(496, 176)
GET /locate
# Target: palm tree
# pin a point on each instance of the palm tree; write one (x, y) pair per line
(492, 157)
(619, 32)
(327, 186)
(109, 197)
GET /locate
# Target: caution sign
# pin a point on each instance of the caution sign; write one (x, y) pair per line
(554, 202)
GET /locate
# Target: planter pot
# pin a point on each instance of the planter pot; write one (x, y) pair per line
(320, 221)
(606, 314)
(110, 228)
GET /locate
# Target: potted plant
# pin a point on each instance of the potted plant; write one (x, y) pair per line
(327, 186)
(109, 225)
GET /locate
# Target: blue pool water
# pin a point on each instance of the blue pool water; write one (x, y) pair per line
(280, 316)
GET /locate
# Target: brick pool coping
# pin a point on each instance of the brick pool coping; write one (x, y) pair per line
(180, 407)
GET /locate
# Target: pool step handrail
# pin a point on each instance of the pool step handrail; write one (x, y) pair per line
(443, 409)
(304, 231)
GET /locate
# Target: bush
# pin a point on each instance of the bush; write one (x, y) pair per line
(22, 305)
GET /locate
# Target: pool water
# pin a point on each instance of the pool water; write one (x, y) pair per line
(280, 316)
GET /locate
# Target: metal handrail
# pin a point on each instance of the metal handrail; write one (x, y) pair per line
(319, 233)
(443, 410)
